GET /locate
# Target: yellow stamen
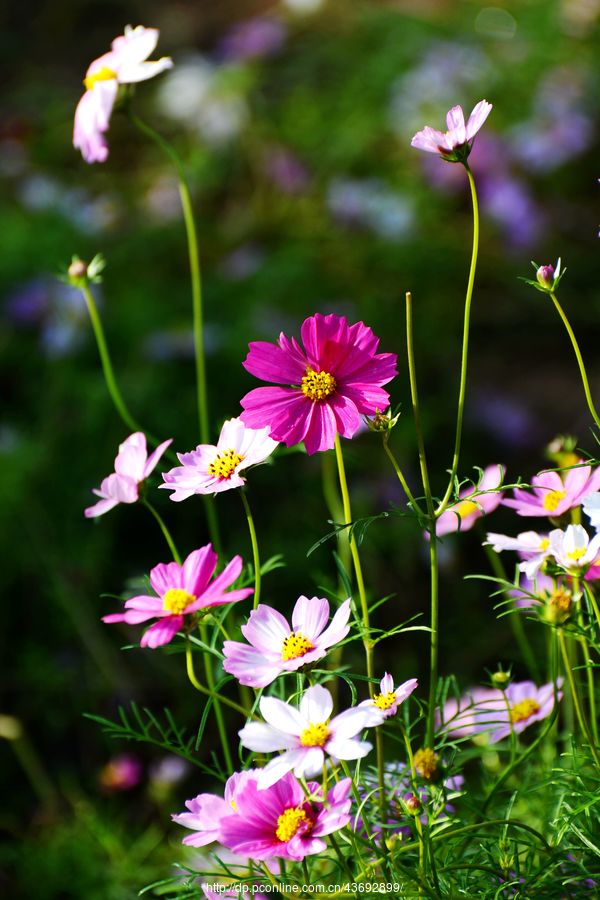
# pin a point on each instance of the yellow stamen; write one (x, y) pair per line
(318, 385)
(224, 464)
(384, 701)
(577, 553)
(465, 508)
(103, 74)
(544, 543)
(315, 735)
(523, 710)
(552, 499)
(176, 600)
(426, 762)
(289, 822)
(295, 645)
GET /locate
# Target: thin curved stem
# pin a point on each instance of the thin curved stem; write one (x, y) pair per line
(165, 531)
(580, 363)
(107, 368)
(431, 515)
(254, 542)
(465, 345)
(400, 474)
(189, 661)
(576, 699)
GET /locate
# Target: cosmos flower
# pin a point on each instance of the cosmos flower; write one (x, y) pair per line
(132, 466)
(210, 470)
(552, 496)
(275, 647)
(478, 710)
(591, 507)
(473, 504)
(389, 698)
(526, 704)
(180, 591)
(206, 811)
(121, 773)
(455, 144)
(329, 383)
(573, 550)
(306, 734)
(126, 63)
(282, 821)
(533, 548)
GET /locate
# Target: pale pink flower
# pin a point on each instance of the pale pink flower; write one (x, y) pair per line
(477, 711)
(526, 704)
(552, 496)
(591, 507)
(533, 548)
(276, 648)
(132, 466)
(211, 469)
(473, 503)
(455, 144)
(386, 703)
(206, 811)
(573, 550)
(126, 63)
(306, 735)
(181, 590)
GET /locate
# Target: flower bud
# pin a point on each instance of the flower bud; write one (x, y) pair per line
(545, 276)
(78, 269)
(382, 422)
(412, 804)
(558, 606)
(500, 679)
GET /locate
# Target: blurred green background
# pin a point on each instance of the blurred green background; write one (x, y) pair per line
(294, 120)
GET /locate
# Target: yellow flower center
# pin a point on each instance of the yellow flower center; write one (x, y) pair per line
(577, 553)
(384, 701)
(289, 822)
(552, 499)
(466, 508)
(426, 762)
(295, 645)
(176, 600)
(318, 385)
(315, 735)
(103, 74)
(523, 710)
(544, 543)
(224, 464)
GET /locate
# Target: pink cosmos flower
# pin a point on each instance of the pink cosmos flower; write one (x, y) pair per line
(306, 734)
(533, 548)
(210, 470)
(455, 144)
(132, 466)
(329, 383)
(526, 704)
(207, 811)
(390, 697)
(477, 711)
(282, 821)
(181, 591)
(126, 63)
(275, 647)
(552, 496)
(473, 504)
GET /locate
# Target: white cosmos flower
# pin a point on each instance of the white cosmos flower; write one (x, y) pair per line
(573, 549)
(533, 548)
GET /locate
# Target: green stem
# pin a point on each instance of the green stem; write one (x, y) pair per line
(107, 368)
(580, 363)
(431, 515)
(576, 699)
(165, 531)
(254, 542)
(189, 661)
(465, 345)
(592, 600)
(413, 503)
(210, 681)
(194, 261)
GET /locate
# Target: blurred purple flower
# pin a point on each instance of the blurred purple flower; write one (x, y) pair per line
(508, 201)
(242, 262)
(121, 773)
(369, 203)
(543, 146)
(504, 417)
(253, 39)
(285, 171)
(55, 308)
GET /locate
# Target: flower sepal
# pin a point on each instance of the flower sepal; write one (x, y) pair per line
(547, 277)
(80, 273)
(383, 422)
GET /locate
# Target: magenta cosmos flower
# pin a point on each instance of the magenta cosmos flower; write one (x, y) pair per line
(455, 144)
(472, 505)
(553, 496)
(386, 703)
(331, 381)
(207, 811)
(526, 704)
(276, 648)
(211, 469)
(132, 466)
(181, 591)
(283, 821)
(126, 63)
(306, 735)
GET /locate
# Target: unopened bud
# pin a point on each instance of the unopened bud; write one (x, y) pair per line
(500, 679)
(78, 269)
(558, 606)
(392, 840)
(545, 276)
(382, 421)
(412, 804)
